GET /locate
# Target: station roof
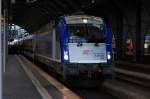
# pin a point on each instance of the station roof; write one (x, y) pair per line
(32, 14)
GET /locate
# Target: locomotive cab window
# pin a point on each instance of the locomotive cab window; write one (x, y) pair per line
(86, 33)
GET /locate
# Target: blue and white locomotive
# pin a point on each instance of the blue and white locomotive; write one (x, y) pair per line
(77, 48)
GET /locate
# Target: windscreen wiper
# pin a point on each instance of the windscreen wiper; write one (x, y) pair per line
(79, 44)
(96, 44)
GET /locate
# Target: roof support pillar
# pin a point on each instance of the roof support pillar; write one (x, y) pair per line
(119, 36)
(1, 60)
(139, 35)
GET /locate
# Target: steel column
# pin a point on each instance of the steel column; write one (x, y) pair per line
(119, 37)
(1, 61)
(139, 36)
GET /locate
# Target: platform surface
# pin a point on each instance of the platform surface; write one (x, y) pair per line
(16, 83)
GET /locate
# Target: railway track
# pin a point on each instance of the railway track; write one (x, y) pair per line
(93, 93)
(131, 81)
(134, 73)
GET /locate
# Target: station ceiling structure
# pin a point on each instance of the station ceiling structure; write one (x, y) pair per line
(32, 14)
(126, 18)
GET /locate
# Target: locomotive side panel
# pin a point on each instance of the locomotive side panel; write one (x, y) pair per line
(57, 52)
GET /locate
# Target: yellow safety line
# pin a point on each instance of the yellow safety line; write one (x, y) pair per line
(43, 92)
(67, 93)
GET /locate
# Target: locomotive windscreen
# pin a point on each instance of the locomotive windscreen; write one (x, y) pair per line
(86, 33)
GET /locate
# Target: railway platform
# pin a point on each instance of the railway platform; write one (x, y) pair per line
(17, 85)
(24, 81)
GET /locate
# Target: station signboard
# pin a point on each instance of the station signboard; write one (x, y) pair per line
(147, 37)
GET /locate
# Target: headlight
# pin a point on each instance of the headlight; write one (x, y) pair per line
(108, 57)
(66, 56)
(85, 20)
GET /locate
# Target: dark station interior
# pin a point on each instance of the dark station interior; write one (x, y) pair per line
(40, 59)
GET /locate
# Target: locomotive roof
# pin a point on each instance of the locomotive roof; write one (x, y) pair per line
(78, 19)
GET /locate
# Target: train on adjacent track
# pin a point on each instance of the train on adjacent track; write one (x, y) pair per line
(77, 48)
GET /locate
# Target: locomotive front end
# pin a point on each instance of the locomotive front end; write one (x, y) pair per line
(85, 45)
(86, 40)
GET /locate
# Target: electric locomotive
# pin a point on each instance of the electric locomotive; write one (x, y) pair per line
(78, 48)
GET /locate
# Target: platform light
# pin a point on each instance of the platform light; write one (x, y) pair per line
(15, 40)
(145, 45)
(31, 1)
(85, 20)
(93, 1)
(13, 1)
